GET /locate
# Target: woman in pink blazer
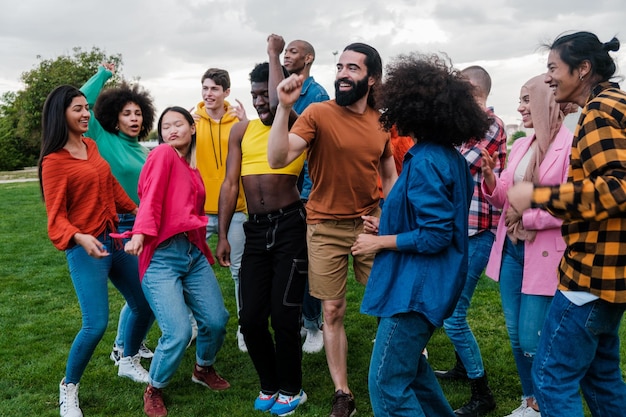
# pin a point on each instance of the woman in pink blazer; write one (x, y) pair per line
(528, 246)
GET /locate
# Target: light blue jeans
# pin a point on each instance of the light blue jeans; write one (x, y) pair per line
(524, 314)
(237, 240)
(401, 381)
(456, 325)
(127, 221)
(179, 278)
(579, 348)
(90, 277)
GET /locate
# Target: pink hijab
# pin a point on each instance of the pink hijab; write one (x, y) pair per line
(547, 117)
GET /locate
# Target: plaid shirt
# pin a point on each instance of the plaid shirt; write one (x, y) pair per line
(593, 201)
(482, 215)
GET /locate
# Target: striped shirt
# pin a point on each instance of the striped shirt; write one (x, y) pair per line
(81, 195)
(593, 201)
(482, 215)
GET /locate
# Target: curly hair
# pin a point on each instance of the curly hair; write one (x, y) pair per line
(424, 97)
(111, 101)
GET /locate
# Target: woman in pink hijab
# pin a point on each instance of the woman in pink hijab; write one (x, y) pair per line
(529, 246)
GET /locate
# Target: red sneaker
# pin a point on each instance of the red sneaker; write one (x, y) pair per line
(209, 378)
(153, 404)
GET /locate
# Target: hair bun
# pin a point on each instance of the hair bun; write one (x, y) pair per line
(612, 45)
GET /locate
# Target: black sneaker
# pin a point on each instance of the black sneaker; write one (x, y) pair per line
(343, 405)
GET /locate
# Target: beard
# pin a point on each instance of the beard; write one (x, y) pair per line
(358, 91)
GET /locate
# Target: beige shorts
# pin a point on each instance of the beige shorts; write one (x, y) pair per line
(329, 246)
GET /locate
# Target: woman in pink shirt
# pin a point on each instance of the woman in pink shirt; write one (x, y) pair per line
(174, 259)
(528, 246)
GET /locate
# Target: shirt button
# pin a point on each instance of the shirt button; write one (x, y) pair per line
(544, 253)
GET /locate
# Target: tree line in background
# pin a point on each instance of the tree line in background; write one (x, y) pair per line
(20, 112)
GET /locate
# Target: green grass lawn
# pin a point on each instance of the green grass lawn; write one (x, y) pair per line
(39, 317)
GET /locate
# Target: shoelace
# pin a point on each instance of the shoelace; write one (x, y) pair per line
(155, 398)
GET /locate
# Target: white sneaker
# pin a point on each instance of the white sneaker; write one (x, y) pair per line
(116, 354)
(425, 353)
(531, 412)
(241, 343)
(303, 332)
(68, 400)
(314, 341)
(524, 411)
(144, 351)
(130, 367)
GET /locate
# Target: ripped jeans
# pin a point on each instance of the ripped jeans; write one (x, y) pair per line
(271, 285)
(524, 314)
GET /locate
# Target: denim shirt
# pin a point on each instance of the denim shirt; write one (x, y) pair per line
(312, 92)
(427, 209)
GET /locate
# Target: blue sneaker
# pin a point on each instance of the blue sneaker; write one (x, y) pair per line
(287, 404)
(265, 401)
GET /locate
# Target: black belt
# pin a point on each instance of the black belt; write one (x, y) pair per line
(285, 211)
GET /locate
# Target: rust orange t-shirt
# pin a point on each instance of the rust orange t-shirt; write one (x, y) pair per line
(345, 150)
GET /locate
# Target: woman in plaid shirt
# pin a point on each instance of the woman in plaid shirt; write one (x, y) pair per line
(579, 346)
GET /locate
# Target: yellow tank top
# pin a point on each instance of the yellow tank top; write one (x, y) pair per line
(254, 153)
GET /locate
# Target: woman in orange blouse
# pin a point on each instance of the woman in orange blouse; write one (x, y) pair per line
(82, 201)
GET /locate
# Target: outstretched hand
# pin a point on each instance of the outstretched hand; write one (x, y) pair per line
(109, 66)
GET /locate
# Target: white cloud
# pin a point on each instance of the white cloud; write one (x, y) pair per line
(169, 43)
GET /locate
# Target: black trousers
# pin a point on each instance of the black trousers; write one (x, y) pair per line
(273, 274)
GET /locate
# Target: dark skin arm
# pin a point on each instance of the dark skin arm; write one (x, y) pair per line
(275, 46)
(229, 192)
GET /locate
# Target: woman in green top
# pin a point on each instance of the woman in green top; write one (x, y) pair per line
(123, 115)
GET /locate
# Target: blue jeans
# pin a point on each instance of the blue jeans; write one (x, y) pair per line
(179, 277)
(579, 347)
(127, 221)
(90, 277)
(401, 382)
(237, 240)
(311, 310)
(524, 314)
(456, 325)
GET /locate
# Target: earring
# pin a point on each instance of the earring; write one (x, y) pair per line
(117, 127)
(581, 77)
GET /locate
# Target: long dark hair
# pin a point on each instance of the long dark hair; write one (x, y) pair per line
(54, 131)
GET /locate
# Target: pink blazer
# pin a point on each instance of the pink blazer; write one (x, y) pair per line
(543, 255)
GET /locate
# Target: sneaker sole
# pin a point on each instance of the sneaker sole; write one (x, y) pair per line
(302, 401)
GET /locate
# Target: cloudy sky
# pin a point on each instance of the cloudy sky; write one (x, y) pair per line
(168, 44)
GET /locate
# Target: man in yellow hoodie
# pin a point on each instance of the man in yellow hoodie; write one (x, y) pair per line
(214, 119)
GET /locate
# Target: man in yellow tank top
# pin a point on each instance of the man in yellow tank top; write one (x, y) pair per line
(274, 264)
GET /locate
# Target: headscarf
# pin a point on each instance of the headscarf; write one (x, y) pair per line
(547, 116)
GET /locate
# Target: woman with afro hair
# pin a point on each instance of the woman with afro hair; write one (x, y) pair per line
(123, 115)
(421, 245)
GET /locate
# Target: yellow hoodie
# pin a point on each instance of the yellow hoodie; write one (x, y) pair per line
(211, 152)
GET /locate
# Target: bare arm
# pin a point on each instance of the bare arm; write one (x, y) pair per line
(284, 147)
(275, 46)
(229, 192)
(388, 174)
